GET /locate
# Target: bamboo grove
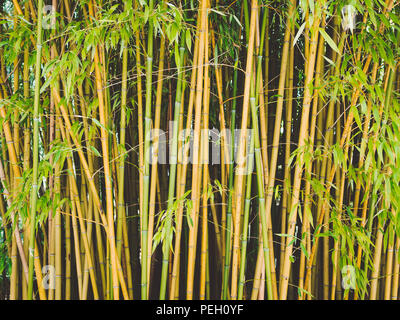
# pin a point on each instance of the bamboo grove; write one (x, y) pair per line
(199, 149)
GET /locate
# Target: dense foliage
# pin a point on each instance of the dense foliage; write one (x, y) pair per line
(199, 149)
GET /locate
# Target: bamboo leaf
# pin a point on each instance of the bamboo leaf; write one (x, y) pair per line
(329, 40)
(298, 34)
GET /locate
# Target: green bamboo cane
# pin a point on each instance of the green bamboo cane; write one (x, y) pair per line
(122, 156)
(204, 153)
(389, 264)
(35, 165)
(250, 165)
(122, 139)
(139, 117)
(228, 233)
(261, 196)
(58, 227)
(154, 179)
(246, 19)
(146, 178)
(172, 175)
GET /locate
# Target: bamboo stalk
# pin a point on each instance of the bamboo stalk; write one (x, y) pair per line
(35, 165)
(196, 153)
(241, 151)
